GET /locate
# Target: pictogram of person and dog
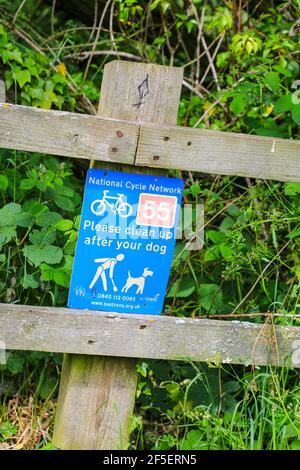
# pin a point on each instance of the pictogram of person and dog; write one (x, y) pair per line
(106, 269)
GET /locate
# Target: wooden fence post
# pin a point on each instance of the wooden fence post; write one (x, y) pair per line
(97, 394)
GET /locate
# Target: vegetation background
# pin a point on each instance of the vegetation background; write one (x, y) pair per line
(241, 64)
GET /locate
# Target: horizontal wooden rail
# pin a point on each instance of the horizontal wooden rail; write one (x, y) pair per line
(67, 134)
(82, 136)
(145, 336)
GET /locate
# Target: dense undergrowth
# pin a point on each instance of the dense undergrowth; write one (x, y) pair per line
(241, 70)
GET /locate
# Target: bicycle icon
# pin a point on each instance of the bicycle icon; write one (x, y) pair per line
(117, 205)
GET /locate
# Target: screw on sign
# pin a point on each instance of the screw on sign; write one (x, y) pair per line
(126, 241)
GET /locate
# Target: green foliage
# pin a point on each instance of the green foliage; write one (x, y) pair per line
(212, 408)
(36, 241)
(250, 262)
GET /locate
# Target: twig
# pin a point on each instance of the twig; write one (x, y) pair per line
(96, 38)
(18, 11)
(211, 63)
(111, 31)
(52, 16)
(206, 112)
(199, 35)
(94, 22)
(191, 88)
(213, 56)
(241, 315)
(85, 54)
(203, 53)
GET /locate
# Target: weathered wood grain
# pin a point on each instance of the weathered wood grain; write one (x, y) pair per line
(135, 92)
(94, 425)
(81, 136)
(147, 336)
(219, 152)
(66, 134)
(141, 92)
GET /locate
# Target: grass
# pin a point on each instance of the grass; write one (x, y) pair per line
(257, 409)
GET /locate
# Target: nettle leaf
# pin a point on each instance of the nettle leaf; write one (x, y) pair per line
(52, 254)
(47, 254)
(216, 237)
(42, 237)
(34, 207)
(211, 254)
(48, 218)
(226, 252)
(6, 234)
(234, 211)
(3, 183)
(61, 275)
(183, 288)
(291, 189)
(8, 214)
(24, 219)
(211, 297)
(226, 224)
(30, 282)
(64, 203)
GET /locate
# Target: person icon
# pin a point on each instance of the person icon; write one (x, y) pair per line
(107, 264)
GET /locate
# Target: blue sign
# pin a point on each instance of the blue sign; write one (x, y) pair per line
(125, 243)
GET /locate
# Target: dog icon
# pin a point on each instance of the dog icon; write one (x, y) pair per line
(139, 281)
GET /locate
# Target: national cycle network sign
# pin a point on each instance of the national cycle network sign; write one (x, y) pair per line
(125, 243)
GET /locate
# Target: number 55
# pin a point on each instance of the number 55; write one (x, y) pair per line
(153, 210)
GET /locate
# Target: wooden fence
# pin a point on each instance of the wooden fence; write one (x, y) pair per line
(136, 129)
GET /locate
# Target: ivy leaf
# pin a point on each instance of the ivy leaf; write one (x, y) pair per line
(211, 297)
(183, 288)
(22, 76)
